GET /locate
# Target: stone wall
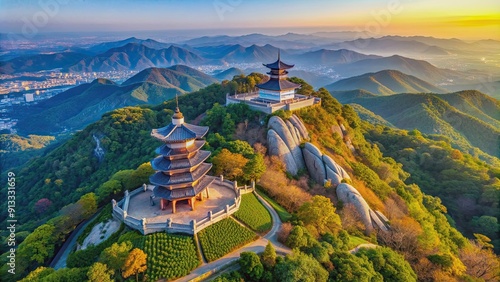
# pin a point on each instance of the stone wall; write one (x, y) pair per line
(142, 225)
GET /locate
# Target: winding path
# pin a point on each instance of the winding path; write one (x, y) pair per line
(59, 261)
(256, 247)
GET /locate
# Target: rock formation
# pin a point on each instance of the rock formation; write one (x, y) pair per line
(314, 163)
(278, 148)
(321, 167)
(349, 195)
(285, 133)
(284, 139)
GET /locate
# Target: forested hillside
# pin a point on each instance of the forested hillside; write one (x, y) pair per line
(389, 168)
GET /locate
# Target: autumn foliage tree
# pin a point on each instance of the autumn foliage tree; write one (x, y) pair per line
(229, 164)
(42, 205)
(116, 255)
(319, 215)
(135, 263)
(99, 272)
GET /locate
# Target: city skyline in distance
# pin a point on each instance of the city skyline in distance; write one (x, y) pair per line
(370, 18)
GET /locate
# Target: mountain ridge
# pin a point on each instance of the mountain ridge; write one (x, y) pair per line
(385, 82)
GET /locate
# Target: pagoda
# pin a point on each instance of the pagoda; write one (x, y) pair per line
(180, 167)
(277, 88)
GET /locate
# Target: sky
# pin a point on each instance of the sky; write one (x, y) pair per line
(478, 19)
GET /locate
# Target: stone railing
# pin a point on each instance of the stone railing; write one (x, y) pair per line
(120, 212)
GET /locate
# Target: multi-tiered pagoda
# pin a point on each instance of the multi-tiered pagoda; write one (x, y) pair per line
(277, 88)
(180, 168)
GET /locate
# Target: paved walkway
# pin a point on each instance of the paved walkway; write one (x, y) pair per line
(256, 247)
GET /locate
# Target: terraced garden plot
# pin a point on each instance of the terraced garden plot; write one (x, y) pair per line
(170, 256)
(254, 214)
(221, 238)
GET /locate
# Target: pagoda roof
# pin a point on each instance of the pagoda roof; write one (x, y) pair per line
(174, 133)
(183, 193)
(278, 84)
(159, 178)
(167, 151)
(278, 65)
(163, 164)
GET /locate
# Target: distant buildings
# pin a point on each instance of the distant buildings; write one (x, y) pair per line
(277, 93)
(29, 97)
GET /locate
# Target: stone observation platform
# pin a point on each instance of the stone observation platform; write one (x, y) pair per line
(267, 106)
(276, 93)
(140, 211)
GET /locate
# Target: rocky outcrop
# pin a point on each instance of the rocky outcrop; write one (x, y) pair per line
(321, 167)
(300, 126)
(314, 163)
(277, 147)
(284, 139)
(349, 195)
(336, 128)
(287, 133)
(330, 163)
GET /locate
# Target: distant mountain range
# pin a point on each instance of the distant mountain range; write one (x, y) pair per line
(135, 56)
(105, 46)
(86, 103)
(330, 57)
(320, 58)
(40, 62)
(386, 82)
(418, 68)
(469, 118)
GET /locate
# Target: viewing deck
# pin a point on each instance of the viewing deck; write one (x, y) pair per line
(253, 100)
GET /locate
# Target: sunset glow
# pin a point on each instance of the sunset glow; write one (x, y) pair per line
(461, 19)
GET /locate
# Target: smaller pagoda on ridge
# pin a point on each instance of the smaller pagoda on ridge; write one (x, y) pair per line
(277, 88)
(180, 167)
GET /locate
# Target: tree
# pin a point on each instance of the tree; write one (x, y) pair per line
(88, 203)
(269, 256)
(299, 237)
(305, 88)
(38, 274)
(116, 255)
(240, 147)
(251, 266)
(348, 267)
(487, 225)
(254, 168)
(300, 267)
(319, 215)
(350, 115)
(42, 205)
(403, 235)
(110, 187)
(99, 272)
(39, 245)
(330, 104)
(135, 263)
(481, 263)
(390, 264)
(229, 164)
